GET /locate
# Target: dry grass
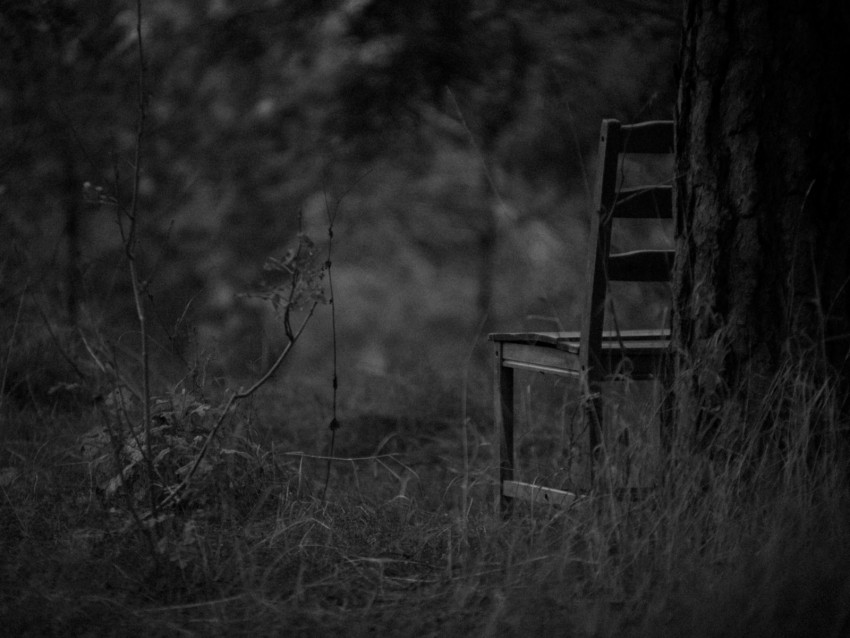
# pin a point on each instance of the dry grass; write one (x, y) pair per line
(746, 539)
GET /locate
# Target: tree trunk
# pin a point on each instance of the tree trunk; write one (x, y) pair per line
(71, 195)
(763, 197)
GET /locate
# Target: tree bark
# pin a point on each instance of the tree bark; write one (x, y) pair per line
(762, 198)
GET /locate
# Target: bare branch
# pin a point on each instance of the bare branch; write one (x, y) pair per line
(234, 397)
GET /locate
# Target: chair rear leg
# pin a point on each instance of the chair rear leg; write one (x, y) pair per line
(593, 418)
(503, 405)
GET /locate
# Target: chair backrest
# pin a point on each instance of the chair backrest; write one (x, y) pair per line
(611, 202)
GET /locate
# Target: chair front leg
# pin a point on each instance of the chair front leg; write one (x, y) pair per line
(503, 404)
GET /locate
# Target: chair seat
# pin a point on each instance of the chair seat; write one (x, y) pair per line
(631, 339)
(635, 353)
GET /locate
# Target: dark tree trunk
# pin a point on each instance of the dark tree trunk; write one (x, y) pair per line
(763, 196)
(71, 204)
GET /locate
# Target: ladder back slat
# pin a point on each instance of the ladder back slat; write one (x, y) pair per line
(647, 137)
(641, 265)
(646, 202)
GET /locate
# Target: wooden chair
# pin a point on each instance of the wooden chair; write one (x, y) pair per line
(592, 355)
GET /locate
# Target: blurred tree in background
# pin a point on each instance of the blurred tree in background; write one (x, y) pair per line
(66, 77)
(453, 135)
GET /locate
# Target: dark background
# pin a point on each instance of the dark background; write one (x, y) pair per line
(453, 140)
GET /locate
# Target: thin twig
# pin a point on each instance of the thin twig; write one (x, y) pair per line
(130, 252)
(334, 424)
(234, 397)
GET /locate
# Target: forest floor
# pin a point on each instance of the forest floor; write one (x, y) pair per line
(401, 538)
